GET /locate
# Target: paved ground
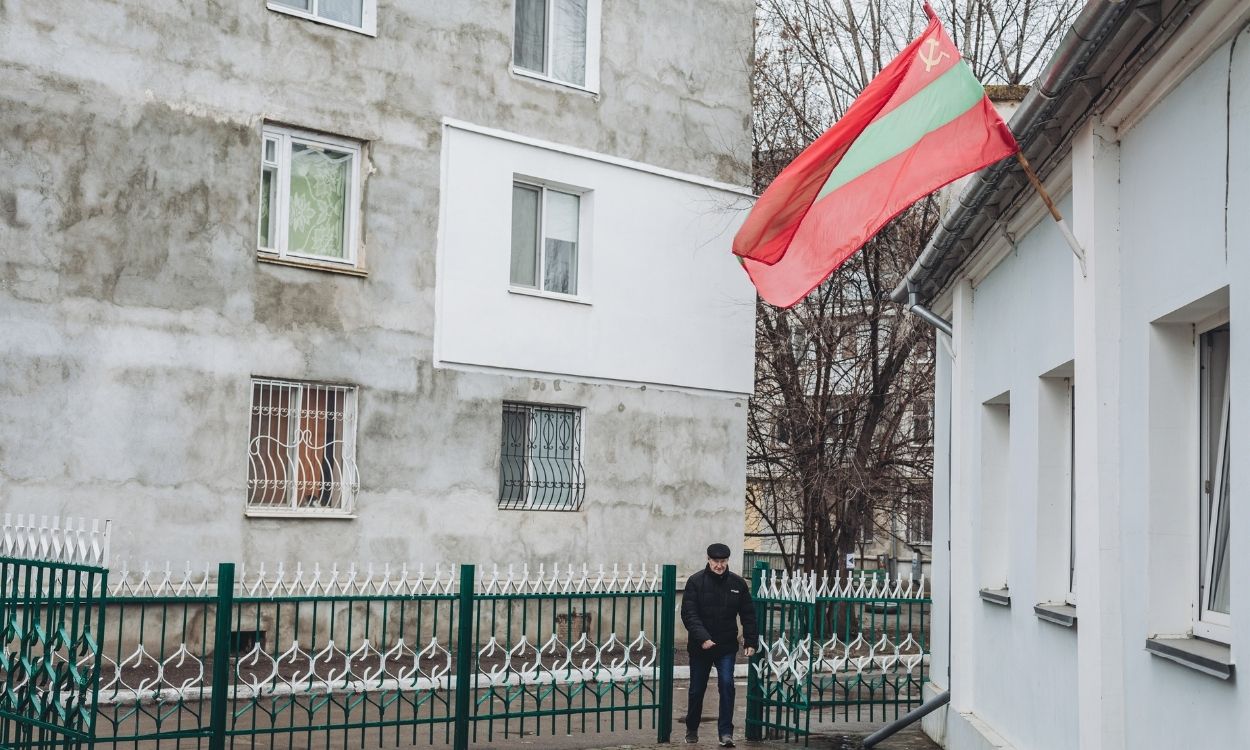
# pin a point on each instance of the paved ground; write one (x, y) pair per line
(835, 737)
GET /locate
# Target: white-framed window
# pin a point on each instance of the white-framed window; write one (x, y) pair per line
(1214, 409)
(354, 15)
(922, 423)
(558, 40)
(540, 458)
(309, 197)
(920, 515)
(867, 528)
(1070, 483)
(546, 238)
(995, 492)
(302, 450)
(1055, 581)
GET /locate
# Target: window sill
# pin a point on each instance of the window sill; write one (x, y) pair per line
(301, 515)
(548, 295)
(288, 11)
(1001, 597)
(1208, 657)
(1063, 615)
(523, 73)
(314, 265)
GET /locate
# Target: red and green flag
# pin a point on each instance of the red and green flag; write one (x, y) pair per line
(921, 123)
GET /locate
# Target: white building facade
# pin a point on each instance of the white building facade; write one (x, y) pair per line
(354, 280)
(1089, 533)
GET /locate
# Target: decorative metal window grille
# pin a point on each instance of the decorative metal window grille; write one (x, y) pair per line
(540, 465)
(302, 452)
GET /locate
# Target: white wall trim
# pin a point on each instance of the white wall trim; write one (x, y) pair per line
(443, 364)
(561, 148)
(1024, 219)
(1214, 23)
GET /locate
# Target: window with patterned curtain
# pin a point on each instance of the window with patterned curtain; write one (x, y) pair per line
(309, 197)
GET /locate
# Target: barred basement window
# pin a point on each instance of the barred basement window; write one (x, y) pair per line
(540, 463)
(302, 453)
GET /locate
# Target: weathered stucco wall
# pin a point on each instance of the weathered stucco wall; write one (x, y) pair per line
(135, 310)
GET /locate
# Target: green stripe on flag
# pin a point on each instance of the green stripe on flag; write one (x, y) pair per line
(946, 98)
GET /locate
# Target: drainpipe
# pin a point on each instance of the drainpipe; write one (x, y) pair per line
(927, 315)
(926, 708)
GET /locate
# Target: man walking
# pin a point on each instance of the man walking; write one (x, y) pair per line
(713, 601)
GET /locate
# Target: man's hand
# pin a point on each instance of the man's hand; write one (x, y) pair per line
(708, 644)
(748, 651)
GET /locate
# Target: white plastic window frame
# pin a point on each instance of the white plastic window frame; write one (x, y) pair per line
(594, 16)
(922, 415)
(1215, 626)
(368, 21)
(583, 196)
(284, 138)
(915, 519)
(1070, 482)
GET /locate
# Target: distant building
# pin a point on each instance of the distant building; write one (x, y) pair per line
(1088, 535)
(331, 280)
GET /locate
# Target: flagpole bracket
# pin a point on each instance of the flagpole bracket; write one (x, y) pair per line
(1077, 250)
(1070, 238)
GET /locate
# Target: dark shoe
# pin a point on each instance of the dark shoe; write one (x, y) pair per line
(726, 741)
(692, 738)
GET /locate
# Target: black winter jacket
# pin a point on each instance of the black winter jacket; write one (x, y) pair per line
(710, 608)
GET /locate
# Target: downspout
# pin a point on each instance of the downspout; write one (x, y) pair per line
(916, 714)
(927, 315)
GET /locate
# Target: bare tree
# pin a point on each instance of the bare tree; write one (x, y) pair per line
(838, 428)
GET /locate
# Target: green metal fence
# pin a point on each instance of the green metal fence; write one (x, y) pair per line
(331, 659)
(838, 649)
(50, 622)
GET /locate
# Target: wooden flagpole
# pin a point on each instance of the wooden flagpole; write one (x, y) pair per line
(1077, 250)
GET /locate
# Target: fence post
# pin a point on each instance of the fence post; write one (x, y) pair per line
(464, 657)
(668, 640)
(755, 694)
(221, 657)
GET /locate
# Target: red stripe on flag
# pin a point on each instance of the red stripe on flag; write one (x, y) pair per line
(841, 222)
(776, 216)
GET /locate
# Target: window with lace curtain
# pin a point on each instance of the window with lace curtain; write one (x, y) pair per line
(355, 15)
(309, 197)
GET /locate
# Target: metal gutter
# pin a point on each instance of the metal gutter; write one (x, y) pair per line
(1041, 125)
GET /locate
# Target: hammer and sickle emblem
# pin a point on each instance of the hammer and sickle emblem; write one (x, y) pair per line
(930, 56)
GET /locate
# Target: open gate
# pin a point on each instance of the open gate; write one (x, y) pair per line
(51, 615)
(840, 649)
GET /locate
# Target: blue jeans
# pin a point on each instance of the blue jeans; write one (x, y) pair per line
(700, 668)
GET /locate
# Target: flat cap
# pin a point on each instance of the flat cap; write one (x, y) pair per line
(718, 551)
